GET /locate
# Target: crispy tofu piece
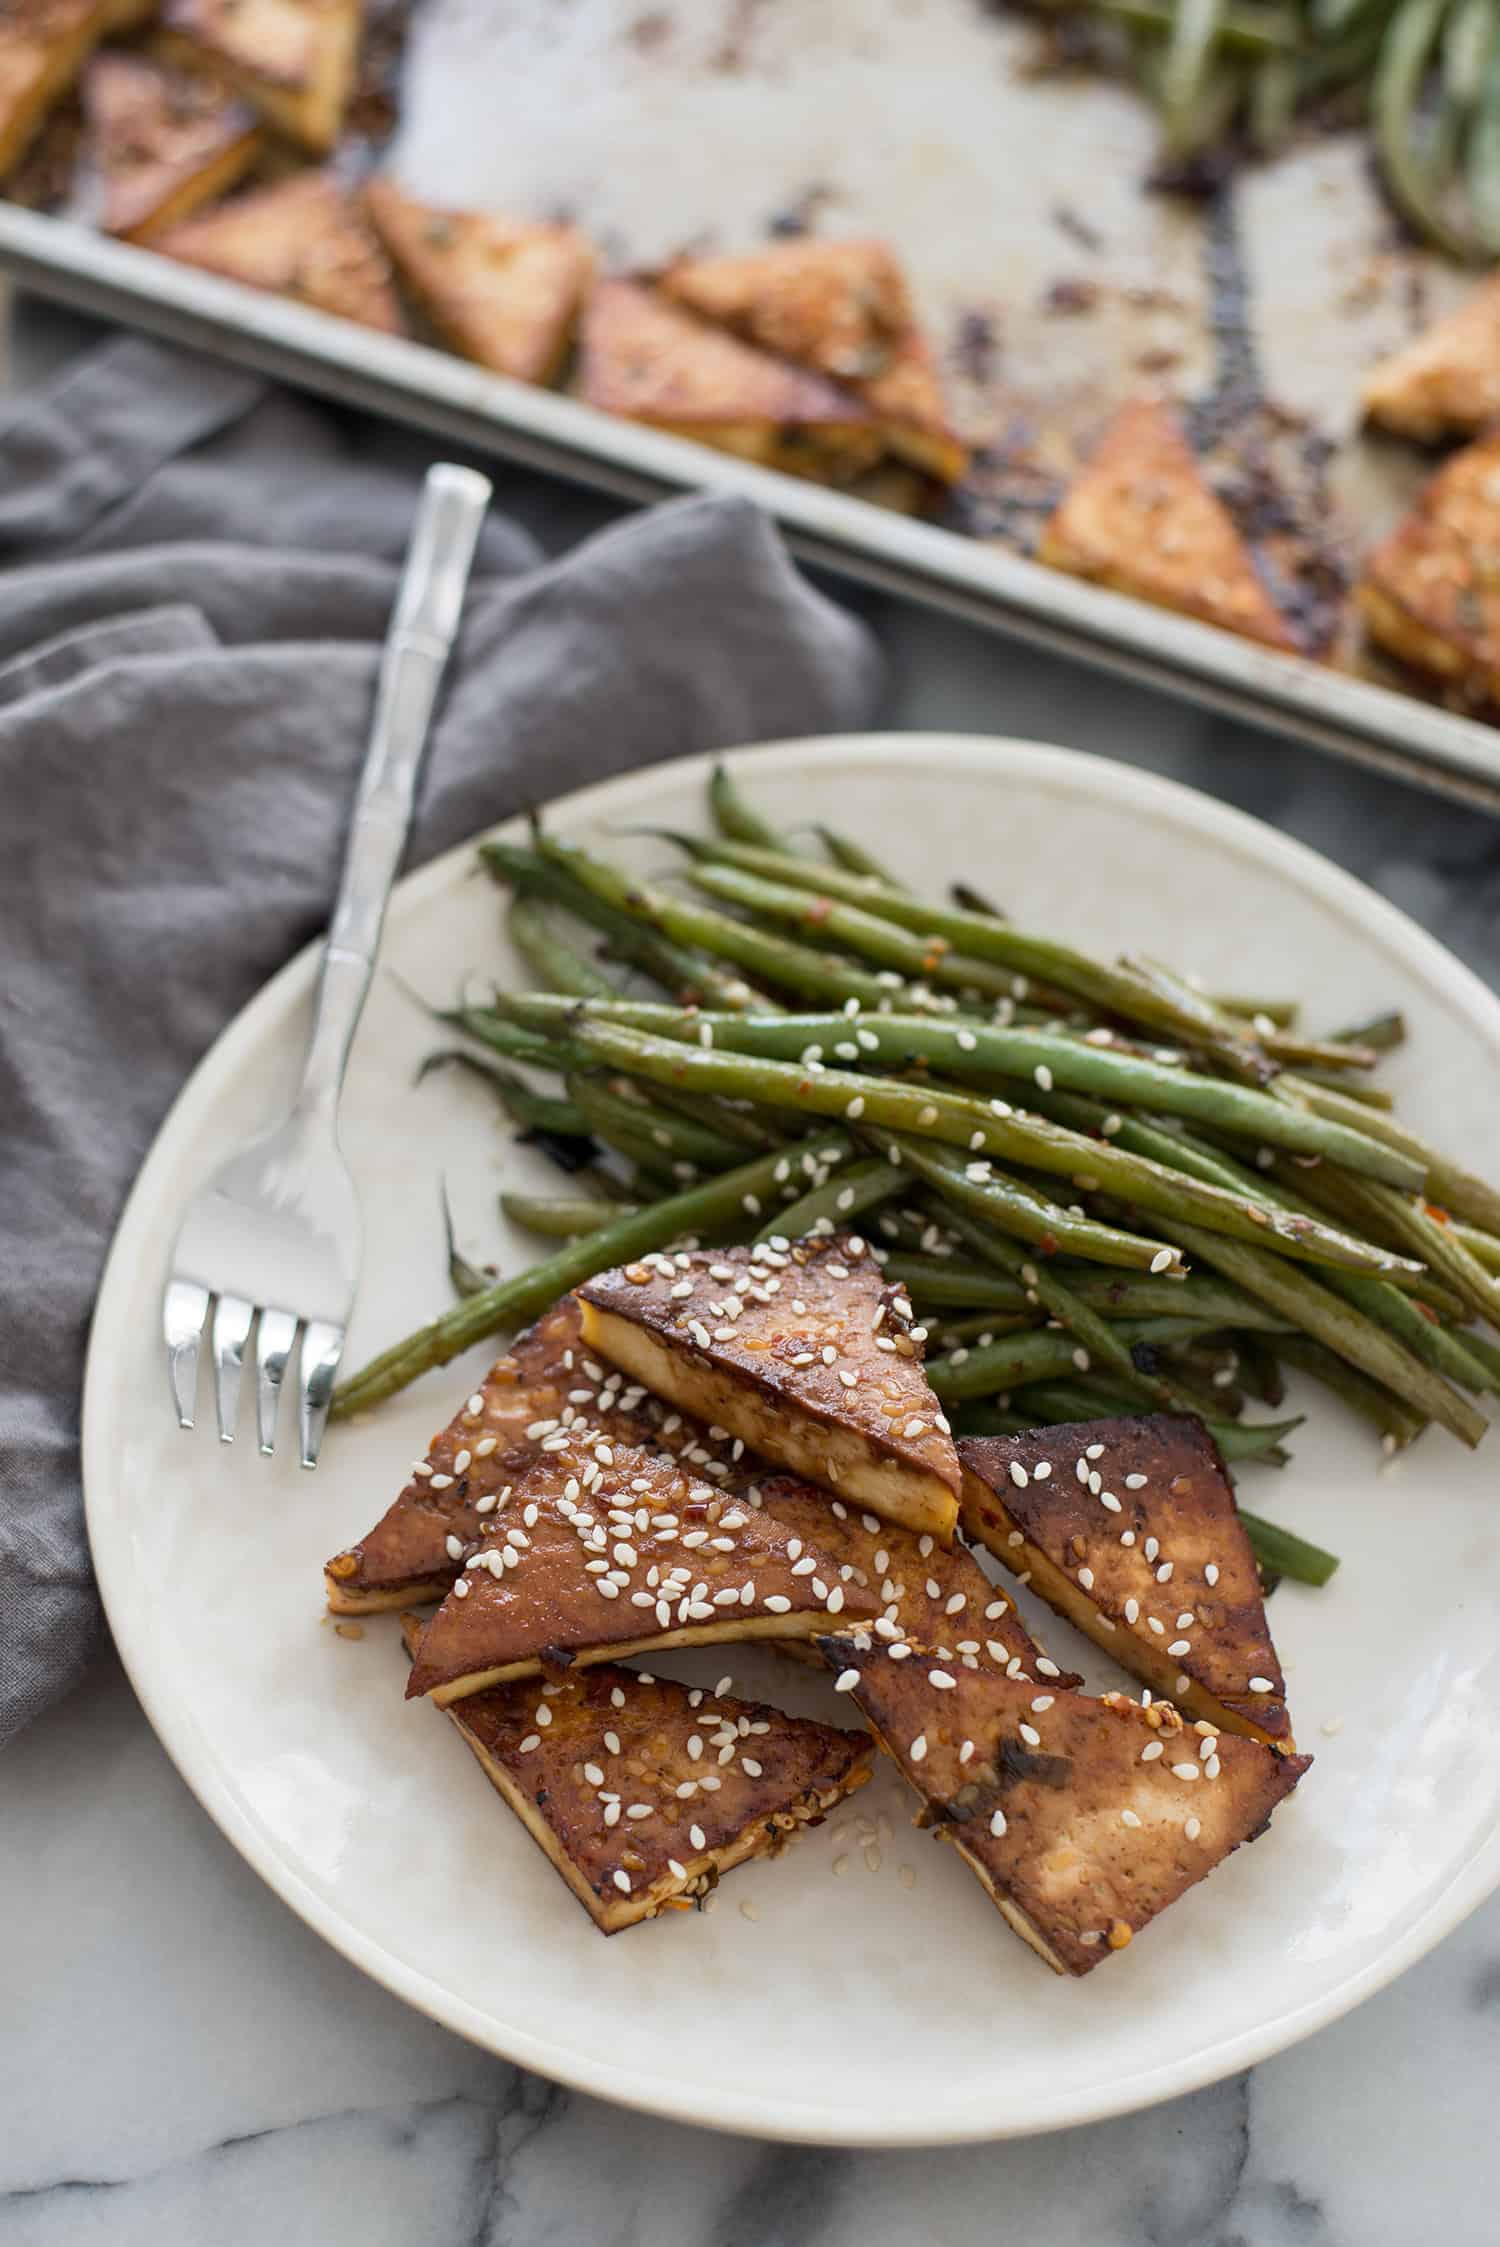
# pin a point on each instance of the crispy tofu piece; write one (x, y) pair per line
(804, 1353)
(604, 1549)
(1431, 591)
(502, 292)
(1131, 1532)
(1082, 1818)
(936, 1600)
(1447, 381)
(1140, 518)
(843, 309)
(647, 360)
(44, 44)
(294, 59)
(599, 1767)
(546, 1384)
(162, 141)
(302, 238)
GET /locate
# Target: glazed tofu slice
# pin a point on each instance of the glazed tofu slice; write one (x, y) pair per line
(293, 59)
(844, 309)
(938, 1601)
(647, 360)
(803, 1353)
(547, 1390)
(499, 291)
(643, 1793)
(302, 238)
(1129, 1529)
(602, 1549)
(1082, 1818)
(1431, 591)
(44, 44)
(1140, 518)
(162, 141)
(1446, 382)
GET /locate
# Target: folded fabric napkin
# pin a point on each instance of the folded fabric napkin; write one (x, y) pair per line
(197, 571)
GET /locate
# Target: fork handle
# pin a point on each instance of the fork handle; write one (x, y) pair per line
(423, 625)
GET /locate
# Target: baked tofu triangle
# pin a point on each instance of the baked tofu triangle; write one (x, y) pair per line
(649, 361)
(601, 1769)
(1447, 380)
(1128, 1528)
(294, 59)
(1429, 592)
(43, 46)
(605, 1549)
(1083, 1818)
(502, 292)
(301, 238)
(941, 1601)
(802, 1352)
(1140, 518)
(162, 141)
(842, 308)
(545, 1390)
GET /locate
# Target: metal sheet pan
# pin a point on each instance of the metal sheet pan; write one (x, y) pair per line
(1019, 208)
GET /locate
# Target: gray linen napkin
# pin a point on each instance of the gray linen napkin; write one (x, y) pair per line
(197, 570)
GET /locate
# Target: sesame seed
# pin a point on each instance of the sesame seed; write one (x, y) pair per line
(1135, 1482)
(1261, 1685)
(1179, 1647)
(1163, 1260)
(1164, 1573)
(1030, 1735)
(532, 1740)
(1151, 1751)
(442, 1482)
(1043, 1076)
(1211, 1573)
(942, 1680)
(1193, 1828)
(1185, 1771)
(778, 1604)
(1129, 1818)
(997, 1824)
(1086, 1578)
(918, 1747)
(1082, 1360)
(856, 1108)
(966, 1041)
(622, 1882)
(476, 1402)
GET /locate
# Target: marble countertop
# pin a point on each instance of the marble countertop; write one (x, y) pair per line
(181, 2059)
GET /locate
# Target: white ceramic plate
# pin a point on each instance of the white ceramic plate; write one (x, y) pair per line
(853, 2009)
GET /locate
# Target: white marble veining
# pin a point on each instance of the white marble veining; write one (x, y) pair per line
(181, 2060)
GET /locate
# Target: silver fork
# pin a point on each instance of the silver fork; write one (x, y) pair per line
(276, 1232)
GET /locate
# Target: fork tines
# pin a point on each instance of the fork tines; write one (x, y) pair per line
(184, 1313)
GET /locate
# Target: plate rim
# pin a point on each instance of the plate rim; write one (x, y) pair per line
(731, 2108)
